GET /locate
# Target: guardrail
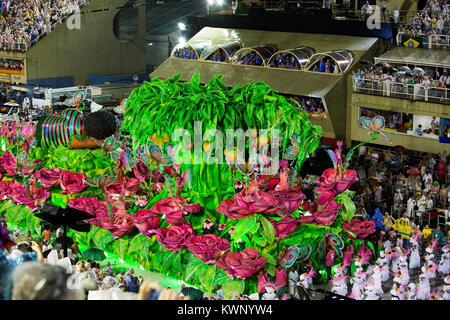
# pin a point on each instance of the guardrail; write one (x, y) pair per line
(434, 41)
(415, 92)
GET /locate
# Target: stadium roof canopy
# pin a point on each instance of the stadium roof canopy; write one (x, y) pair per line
(416, 56)
(284, 81)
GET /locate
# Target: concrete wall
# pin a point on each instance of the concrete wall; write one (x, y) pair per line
(91, 49)
(398, 105)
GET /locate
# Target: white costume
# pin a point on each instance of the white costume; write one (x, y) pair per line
(410, 207)
(395, 259)
(377, 280)
(270, 294)
(383, 264)
(339, 282)
(446, 289)
(444, 263)
(411, 292)
(414, 258)
(423, 290)
(358, 281)
(403, 267)
(370, 292)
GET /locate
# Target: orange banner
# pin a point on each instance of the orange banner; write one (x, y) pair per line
(19, 72)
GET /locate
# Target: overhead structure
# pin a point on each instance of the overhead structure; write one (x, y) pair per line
(264, 51)
(300, 54)
(342, 57)
(229, 48)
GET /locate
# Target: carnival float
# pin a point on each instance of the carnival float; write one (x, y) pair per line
(200, 211)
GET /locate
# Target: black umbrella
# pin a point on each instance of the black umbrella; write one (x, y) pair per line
(193, 293)
(68, 218)
(58, 243)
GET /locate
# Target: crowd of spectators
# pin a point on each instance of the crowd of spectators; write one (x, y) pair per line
(11, 64)
(431, 21)
(186, 53)
(222, 55)
(404, 183)
(326, 65)
(403, 84)
(308, 104)
(286, 61)
(22, 21)
(252, 59)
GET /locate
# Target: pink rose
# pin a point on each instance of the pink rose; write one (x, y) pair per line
(208, 247)
(5, 187)
(325, 197)
(85, 204)
(72, 182)
(330, 180)
(27, 130)
(174, 237)
(325, 215)
(362, 229)
(115, 188)
(175, 209)
(147, 221)
(284, 226)
(48, 178)
(241, 264)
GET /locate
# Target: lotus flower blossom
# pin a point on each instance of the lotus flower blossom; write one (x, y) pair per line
(325, 215)
(71, 182)
(284, 227)
(362, 229)
(287, 200)
(174, 238)
(27, 130)
(147, 221)
(241, 264)
(208, 247)
(48, 178)
(141, 171)
(337, 179)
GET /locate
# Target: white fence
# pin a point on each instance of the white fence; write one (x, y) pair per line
(416, 92)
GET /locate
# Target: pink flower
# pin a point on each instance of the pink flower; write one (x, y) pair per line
(325, 215)
(37, 199)
(141, 201)
(5, 187)
(157, 176)
(170, 171)
(241, 264)
(208, 247)
(27, 171)
(147, 221)
(85, 204)
(115, 188)
(248, 202)
(362, 229)
(174, 238)
(332, 181)
(141, 171)
(207, 223)
(221, 226)
(325, 197)
(48, 178)
(175, 209)
(27, 130)
(72, 182)
(284, 226)
(8, 164)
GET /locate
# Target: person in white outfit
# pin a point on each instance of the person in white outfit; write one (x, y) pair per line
(423, 289)
(411, 292)
(410, 207)
(414, 258)
(444, 262)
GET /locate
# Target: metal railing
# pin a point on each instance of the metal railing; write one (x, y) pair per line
(416, 92)
(434, 41)
(23, 47)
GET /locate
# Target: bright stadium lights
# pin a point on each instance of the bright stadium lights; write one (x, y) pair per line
(150, 44)
(210, 2)
(182, 41)
(181, 26)
(220, 2)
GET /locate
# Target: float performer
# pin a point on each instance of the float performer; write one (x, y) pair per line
(72, 129)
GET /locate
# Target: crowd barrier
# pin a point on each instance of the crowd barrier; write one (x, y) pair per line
(416, 92)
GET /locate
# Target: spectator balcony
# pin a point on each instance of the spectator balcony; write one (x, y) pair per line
(414, 92)
(434, 41)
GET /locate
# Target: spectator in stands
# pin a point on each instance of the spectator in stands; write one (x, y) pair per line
(419, 130)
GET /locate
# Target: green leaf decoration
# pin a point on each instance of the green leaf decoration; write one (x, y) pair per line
(235, 286)
(268, 230)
